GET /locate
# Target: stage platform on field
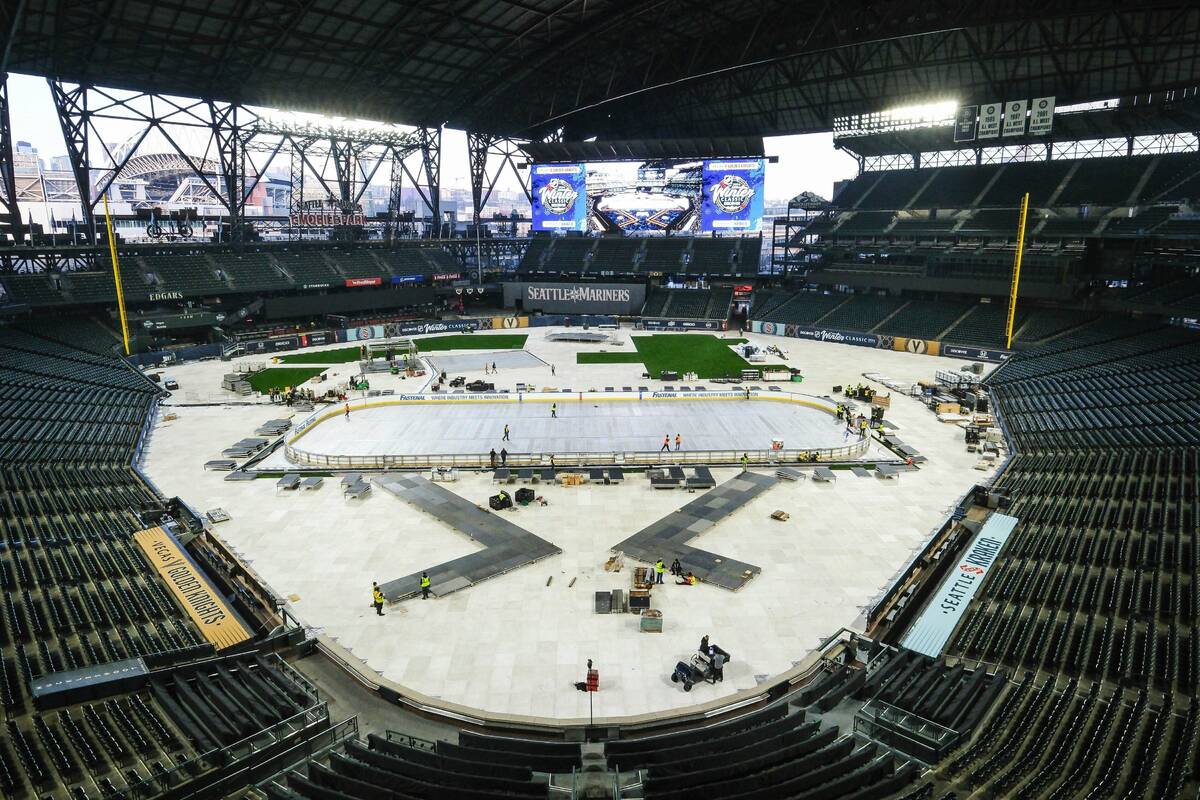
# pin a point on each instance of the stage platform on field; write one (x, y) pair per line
(668, 537)
(506, 546)
(584, 337)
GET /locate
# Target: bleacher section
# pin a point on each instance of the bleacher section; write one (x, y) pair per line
(1095, 595)
(308, 268)
(358, 264)
(688, 303)
(712, 257)
(1175, 177)
(747, 255)
(568, 255)
(984, 326)
(440, 260)
(32, 289)
(767, 300)
(79, 593)
(1040, 179)
(1065, 228)
(191, 275)
(615, 255)
(89, 287)
(656, 301)
(1145, 221)
(407, 261)
(804, 308)
(922, 319)
(956, 187)
(862, 312)
(531, 261)
(894, 190)
(664, 255)
(1045, 323)
(1115, 382)
(252, 272)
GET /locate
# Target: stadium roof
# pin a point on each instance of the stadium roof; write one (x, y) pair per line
(610, 68)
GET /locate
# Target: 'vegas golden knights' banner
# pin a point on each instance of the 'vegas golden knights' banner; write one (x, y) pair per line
(203, 604)
(924, 346)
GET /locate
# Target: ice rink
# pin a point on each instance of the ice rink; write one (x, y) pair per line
(588, 426)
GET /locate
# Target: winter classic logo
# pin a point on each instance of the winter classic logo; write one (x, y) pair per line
(558, 196)
(732, 195)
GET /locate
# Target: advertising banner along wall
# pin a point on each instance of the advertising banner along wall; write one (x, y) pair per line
(576, 298)
(927, 347)
(945, 610)
(202, 602)
(683, 324)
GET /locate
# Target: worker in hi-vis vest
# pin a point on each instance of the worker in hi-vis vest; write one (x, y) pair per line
(424, 586)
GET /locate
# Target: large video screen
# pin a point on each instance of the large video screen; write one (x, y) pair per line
(732, 195)
(647, 197)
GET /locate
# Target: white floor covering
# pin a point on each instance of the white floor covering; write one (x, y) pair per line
(514, 644)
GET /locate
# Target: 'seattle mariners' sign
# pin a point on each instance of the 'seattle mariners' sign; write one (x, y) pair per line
(941, 616)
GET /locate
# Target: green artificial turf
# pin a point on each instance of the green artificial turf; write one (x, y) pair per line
(707, 356)
(281, 377)
(608, 358)
(454, 341)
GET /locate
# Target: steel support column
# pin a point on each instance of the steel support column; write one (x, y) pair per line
(71, 107)
(227, 136)
(342, 155)
(8, 178)
(395, 188)
(478, 145)
(430, 142)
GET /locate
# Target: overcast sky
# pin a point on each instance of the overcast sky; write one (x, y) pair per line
(806, 163)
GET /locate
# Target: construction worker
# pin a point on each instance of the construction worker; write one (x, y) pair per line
(666, 448)
(659, 569)
(424, 586)
(678, 441)
(745, 462)
(505, 439)
(553, 410)
(347, 412)
(492, 458)
(377, 598)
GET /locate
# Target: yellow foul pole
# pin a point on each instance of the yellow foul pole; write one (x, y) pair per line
(112, 251)
(1016, 276)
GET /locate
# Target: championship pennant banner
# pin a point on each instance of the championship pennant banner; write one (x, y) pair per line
(193, 591)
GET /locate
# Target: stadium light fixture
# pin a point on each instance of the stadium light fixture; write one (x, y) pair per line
(902, 118)
(936, 112)
(299, 123)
